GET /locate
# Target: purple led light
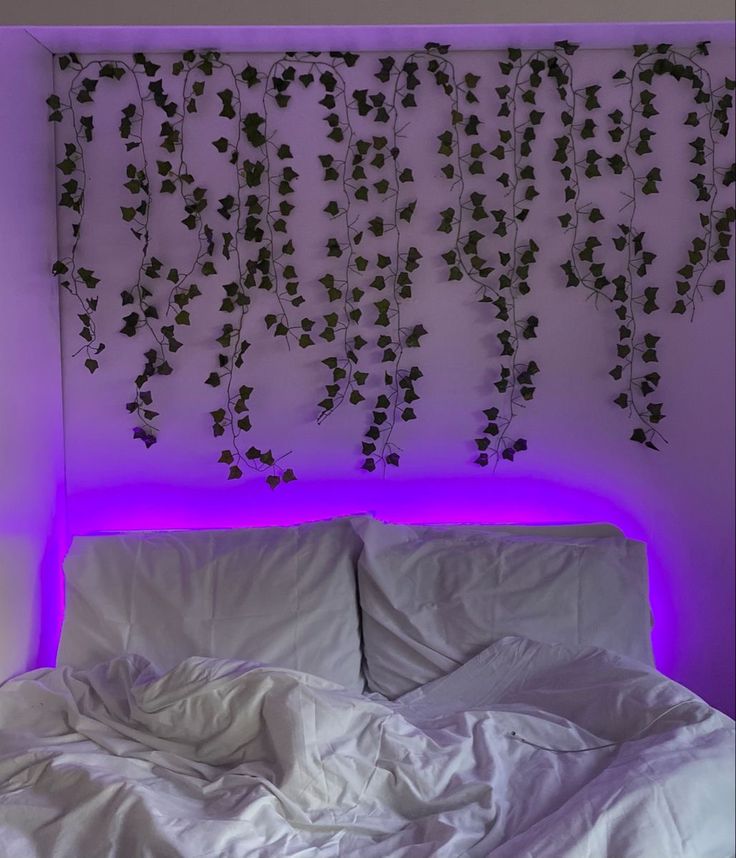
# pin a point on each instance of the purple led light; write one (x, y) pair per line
(455, 500)
(683, 524)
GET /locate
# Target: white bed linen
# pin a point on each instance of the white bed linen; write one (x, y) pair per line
(282, 595)
(228, 759)
(566, 532)
(432, 597)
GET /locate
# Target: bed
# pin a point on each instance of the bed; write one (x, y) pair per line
(356, 688)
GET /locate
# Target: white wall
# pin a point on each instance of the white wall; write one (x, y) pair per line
(580, 465)
(279, 12)
(31, 448)
(681, 502)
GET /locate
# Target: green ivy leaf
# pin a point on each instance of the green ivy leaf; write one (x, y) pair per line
(376, 226)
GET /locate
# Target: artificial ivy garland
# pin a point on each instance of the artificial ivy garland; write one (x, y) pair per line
(369, 262)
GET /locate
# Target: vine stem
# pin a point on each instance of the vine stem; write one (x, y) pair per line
(146, 219)
(347, 305)
(631, 316)
(78, 234)
(243, 307)
(711, 184)
(575, 183)
(514, 261)
(350, 233)
(178, 287)
(269, 204)
(387, 446)
(236, 344)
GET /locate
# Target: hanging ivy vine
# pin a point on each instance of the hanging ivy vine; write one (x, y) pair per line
(634, 296)
(489, 158)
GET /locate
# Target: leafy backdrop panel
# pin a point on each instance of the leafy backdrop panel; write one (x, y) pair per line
(303, 265)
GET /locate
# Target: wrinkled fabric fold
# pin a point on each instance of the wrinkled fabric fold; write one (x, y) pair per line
(235, 759)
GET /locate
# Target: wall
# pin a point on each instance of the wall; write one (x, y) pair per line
(280, 12)
(31, 448)
(580, 465)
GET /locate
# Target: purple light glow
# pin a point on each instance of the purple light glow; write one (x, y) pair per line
(678, 502)
(469, 500)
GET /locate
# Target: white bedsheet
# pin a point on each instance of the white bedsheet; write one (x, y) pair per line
(229, 759)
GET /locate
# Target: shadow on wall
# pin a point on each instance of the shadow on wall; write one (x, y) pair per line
(51, 600)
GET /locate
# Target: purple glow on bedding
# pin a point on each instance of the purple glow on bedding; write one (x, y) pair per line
(505, 500)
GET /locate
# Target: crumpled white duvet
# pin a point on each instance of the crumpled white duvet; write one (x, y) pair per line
(230, 759)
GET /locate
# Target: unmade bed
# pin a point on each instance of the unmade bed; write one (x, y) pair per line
(353, 688)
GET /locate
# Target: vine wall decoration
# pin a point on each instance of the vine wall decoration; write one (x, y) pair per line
(493, 138)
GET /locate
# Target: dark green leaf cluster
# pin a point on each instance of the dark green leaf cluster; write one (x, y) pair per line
(377, 446)
(54, 102)
(161, 99)
(369, 176)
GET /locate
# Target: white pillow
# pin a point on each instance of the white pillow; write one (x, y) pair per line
(431, 598)
(281, 595)
(542, 532)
